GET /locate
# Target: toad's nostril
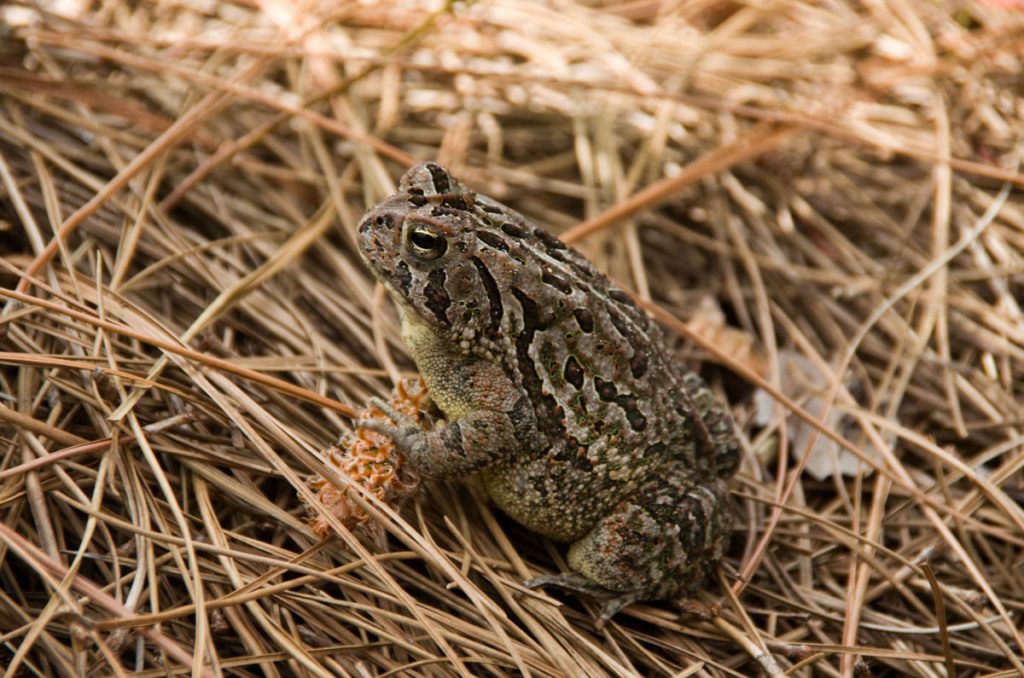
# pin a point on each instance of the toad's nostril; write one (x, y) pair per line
(378, 222)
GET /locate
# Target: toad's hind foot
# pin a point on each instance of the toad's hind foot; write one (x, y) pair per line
(569, 580)
(611, 601)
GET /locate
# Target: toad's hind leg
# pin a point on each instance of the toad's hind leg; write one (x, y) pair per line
(659, 543)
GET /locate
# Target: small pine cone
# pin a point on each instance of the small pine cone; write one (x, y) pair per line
(371, 460)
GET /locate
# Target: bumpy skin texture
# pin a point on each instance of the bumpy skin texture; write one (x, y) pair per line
(557, 390)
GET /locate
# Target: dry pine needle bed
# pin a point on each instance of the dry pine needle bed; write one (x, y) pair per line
(821, 203)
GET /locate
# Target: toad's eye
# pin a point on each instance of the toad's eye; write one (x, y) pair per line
(426, 243)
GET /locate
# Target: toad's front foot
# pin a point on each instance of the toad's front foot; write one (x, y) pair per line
(611, 601)
(403, 431)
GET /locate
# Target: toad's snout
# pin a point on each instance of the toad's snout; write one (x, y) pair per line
(380, 222)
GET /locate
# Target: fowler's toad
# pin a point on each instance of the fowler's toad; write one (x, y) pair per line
(557, 390)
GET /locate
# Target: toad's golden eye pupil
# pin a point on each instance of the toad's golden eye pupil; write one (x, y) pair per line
(427, 243)
(424, 239)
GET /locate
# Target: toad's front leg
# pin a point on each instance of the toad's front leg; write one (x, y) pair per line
(488, 421)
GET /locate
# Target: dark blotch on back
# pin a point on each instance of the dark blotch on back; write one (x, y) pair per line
(437, 299)
(622, 297)
(573, 373)
(440, 177)
(514, 230)
(416, 197)
(608, 392)
(492, 239)
(548, 412)
(585, 319)
(622, 325)
(456, 201)
(605, 389)
(550, 241)
(637, 421)
(638, 361)
(638, 364)
(495, 310)
(560, 284)
(580, 266)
